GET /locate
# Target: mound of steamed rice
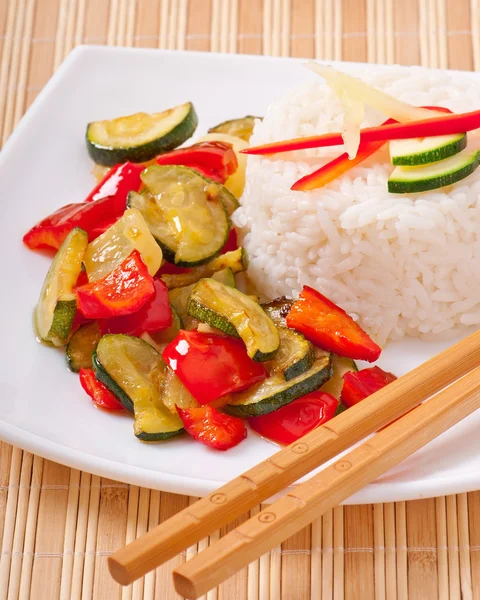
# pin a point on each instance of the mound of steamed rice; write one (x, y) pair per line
(403, 265)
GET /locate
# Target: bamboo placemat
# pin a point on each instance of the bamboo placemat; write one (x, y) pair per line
(57, 525)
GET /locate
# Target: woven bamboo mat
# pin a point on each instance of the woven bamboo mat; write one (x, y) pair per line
(57, 525)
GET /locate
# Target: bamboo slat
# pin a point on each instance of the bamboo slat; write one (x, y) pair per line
(58, 526)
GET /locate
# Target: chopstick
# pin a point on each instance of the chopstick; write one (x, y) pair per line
(329, 487)
(289, 464)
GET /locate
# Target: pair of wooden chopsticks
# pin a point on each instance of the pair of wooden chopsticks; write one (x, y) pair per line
(456, 368)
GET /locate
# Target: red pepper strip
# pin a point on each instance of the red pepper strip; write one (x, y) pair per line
(328, 326)
(216, 160)
(340, 165)
(336, 167)
(358, 385)
(122, 292)
(210, 366)
(214, 429)
(449, 124)
(289, 423)
(102, 208)
(155, 315)
(100, 395)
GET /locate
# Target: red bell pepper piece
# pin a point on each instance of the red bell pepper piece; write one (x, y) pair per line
(103, 207)
(443, 125)
(336, 167)
(122, 292)
(216, 160)
(214, 429)
(360, 384)
(210, 366)
(100, 394)
(154, 316)
(328, 326)
(291, 422)
(340, 165)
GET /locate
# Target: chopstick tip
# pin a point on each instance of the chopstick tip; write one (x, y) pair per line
(119, 572)
(185, 587)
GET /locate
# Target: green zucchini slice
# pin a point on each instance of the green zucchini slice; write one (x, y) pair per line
(114, 245)
(340, 366)
(235, 314)
(53, 316)
(407, 180)
(174, 393)
(242, 128)
(235, 260)
(275, 392)
(179, 296)
(82, 345)
(141, 136)
(133, 370)
(421, 151)
(184, 212)
(296, 354)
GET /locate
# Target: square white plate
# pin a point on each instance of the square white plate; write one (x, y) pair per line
(44, 166)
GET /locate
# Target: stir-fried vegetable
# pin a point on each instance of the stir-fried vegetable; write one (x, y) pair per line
(154, 316)
(215, 160)
(129, 233)
(211, 366)
(329, 326)
(122, 292)
(289, 423)
(213, 428)
(241, 128)
(98, 392)
(357, 385)
(57, 306)
(140, 137)
(185, 213)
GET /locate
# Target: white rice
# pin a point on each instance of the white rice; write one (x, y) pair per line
(404, 265)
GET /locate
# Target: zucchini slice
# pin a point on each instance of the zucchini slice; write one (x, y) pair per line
(236, 314)
(275, 392)
(140, 137)
(133, 370)
(174, 393)
(235, 260)
(242, 128)
(296, 354)
(406, 180)
(82, 345)
(111, 248)
(421, 151)
(185, 213)
(340, 366)
(53, 316)
(179, 296)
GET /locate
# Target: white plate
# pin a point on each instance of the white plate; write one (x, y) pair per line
(45, 165)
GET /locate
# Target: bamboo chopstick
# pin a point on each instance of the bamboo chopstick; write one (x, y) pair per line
(283, 468)
(329, 487)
